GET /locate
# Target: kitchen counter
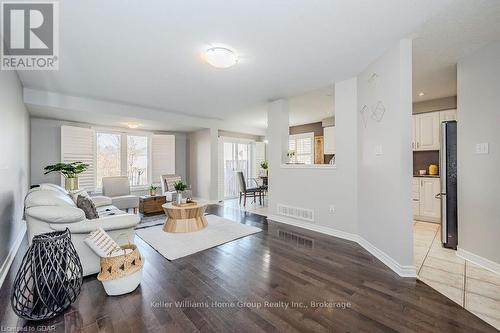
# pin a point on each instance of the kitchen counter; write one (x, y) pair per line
(428, 176)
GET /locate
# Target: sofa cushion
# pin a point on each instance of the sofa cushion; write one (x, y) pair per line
(48, 198)
(109, 210)
(88, 207)
(56, 214)
(101, 200)
(126, 201)
(107, 223)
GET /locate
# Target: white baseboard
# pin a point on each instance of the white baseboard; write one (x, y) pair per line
(401, 270)
(12, 253)
(478, 260)
(314, 227)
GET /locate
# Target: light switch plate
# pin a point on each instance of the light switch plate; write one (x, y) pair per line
(482, 148)
(378, 150)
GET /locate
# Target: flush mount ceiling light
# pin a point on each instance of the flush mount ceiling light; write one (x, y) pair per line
(421, 94)
(221, 57)
(133, 125)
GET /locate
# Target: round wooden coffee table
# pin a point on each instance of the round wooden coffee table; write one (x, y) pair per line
(185, 218)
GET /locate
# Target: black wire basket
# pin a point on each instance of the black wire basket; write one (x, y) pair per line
(49, 279)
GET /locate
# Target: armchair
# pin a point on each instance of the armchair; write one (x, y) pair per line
(118, 189)
(168, 186)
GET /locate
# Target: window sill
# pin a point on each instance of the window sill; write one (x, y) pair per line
(308, 166)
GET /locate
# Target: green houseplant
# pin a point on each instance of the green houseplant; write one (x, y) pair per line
(69, 171)
(180, 187)
(152, 190)
(264, 166)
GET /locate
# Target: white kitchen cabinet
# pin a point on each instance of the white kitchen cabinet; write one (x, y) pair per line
(415, 196)
(329, 140)
(425, 205)
(447, 115)
(426, 129)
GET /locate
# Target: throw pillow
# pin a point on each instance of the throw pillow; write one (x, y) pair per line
(76, 193)
(88, 207)
(170, 183)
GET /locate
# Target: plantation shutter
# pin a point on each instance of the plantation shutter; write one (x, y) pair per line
(78, 145)
(220, 169)
(303, 146)
(163, 156)
(260, 155)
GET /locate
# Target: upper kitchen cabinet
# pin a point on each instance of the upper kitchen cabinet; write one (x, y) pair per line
(447, 115)
(426, 131)
(329, 140)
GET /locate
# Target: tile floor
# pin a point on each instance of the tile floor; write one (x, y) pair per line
(474, 288)
(252, 207)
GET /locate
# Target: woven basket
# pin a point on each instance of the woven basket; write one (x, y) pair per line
(121, 265)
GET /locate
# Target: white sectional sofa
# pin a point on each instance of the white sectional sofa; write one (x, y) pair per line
(51, 208)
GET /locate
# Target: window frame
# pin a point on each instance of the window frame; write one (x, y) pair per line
(124, 153)
(295, 137)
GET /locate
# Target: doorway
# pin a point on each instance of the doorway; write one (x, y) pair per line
(238, 155)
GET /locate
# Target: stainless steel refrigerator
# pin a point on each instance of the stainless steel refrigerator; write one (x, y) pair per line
(448, 195)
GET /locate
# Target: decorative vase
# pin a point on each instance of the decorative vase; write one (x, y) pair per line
(179, 197)
(71, 184)
(49, 279)
(152, 192)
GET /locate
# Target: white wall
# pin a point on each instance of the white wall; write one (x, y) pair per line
(478, 175)
(46, 149)
(384, 192)
(203, 162)
(14, 165)
(317, 189)
(371, 193)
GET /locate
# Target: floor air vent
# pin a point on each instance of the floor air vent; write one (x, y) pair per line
(296, 212)
(295, 239)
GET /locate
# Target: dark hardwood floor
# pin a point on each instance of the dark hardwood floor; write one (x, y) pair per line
(283, 279)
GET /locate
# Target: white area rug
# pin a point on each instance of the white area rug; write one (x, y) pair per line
(177, 245)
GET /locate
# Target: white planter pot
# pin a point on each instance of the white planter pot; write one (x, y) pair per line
(124, 284)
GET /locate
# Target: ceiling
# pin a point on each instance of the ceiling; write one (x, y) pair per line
(461, 28)
(149, 55)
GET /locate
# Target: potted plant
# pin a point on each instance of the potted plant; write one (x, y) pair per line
(264, 166)
(180, 187)
(291, 156)
(69, 171)
(152, 190)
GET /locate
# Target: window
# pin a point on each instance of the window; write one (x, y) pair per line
(108, 156)
(302, 146)
(120, 154)
(137, 160)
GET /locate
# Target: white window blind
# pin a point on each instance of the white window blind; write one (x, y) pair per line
(303, 146)
(260, 155)
(78, 145)
(163, 156)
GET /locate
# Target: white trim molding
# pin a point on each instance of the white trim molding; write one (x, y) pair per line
(12, 253)
(478, 260)
(308, 166)
(401, 270)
